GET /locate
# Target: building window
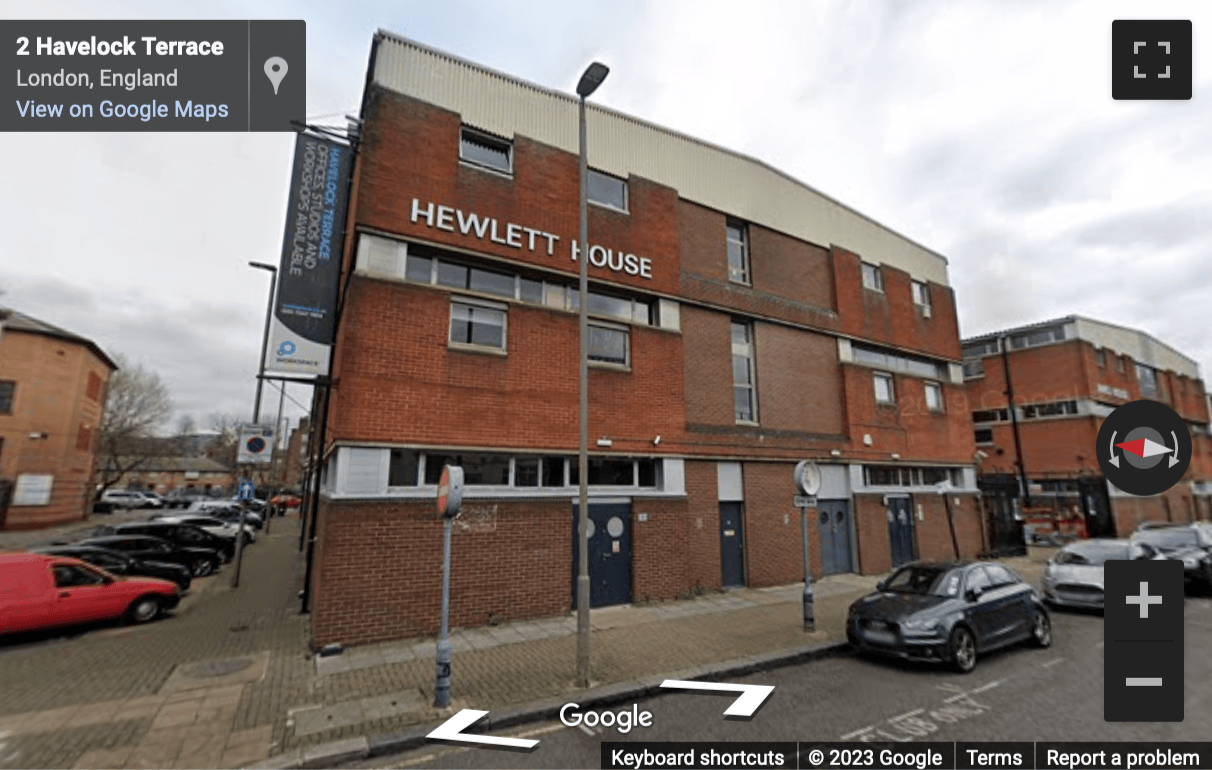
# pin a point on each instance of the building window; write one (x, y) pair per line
(984, 435)
(607, 190)
(934, 397)
(1146, 377)
(986, 348)
(884, 393)
(487, 151)
(973, 369)
(921, 295)
(743, 384)
(738, 252)
(1054, 409)
(402, 470)
(93, 391)
(1100, 357)
(478, 469)
(1119, 364)
(872, 277)
(477, 325)
(991, 415)
(84, 438)
(1038, 337)
(7, 388)
(608, 344)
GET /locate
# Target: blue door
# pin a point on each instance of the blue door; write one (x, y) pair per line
(609, 553)
(900, 530)
(732, 546)
(833, 529)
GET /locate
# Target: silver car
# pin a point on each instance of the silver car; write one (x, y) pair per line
(1073, 577)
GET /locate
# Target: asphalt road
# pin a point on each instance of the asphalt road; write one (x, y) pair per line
(1018, 694)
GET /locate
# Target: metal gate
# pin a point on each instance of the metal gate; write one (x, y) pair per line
(833, 529)
(609, 553)
(1005, 530)
(900, 530)
(732, 546)
(1099, 522)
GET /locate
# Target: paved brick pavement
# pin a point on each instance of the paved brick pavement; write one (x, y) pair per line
(229, 681)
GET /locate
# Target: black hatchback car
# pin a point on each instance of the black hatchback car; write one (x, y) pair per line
(118, 563)
(199, 561)
(948, 612)
(185, 535)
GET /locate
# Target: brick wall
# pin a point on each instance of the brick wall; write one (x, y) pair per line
(401, 382)
(51, 397)
(379, 567)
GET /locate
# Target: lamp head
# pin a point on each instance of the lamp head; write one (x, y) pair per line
(592, 78)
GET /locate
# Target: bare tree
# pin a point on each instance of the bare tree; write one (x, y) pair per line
(137, 404)
(222, 448)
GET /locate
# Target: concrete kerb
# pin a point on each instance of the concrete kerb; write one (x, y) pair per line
(548, 708)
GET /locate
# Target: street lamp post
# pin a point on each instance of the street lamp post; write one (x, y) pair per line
(269, 311)
(590, 80)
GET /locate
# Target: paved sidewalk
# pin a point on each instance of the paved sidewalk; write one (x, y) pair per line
(230, 682)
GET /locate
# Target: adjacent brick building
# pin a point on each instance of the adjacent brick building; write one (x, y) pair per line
(52, 397)
(740, 322)
(1067, 375)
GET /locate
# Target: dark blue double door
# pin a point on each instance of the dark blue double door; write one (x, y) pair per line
(900, 530)
(609, 553)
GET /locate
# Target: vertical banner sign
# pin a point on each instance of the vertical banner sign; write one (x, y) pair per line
(301, 332)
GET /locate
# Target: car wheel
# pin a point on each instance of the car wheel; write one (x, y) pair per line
(202, 567)
(963, 650)
(1041, 629)
(143, 609)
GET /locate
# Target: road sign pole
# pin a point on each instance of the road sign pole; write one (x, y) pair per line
(441, 697)
(235, 577)
(808, 598)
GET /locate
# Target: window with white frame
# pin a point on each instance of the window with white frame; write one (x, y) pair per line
(738, 251)
(609, 344)
(884, 391)
(921, 295)
(872, 277)
(1146, 377)
(486, 150)
(934, 397)
(607, 190)
(744, 391)
(477, 324)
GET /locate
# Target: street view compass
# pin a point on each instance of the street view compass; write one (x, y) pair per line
(1144, 447)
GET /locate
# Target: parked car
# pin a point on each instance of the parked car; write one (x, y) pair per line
(285, 501)
(44, 591)
(154, 500)
(1183, 543)
(181, 534)
(199, 561)
(1073, 577)
(125, 498)
(232, 516)
(183, 497)
(118, 563)
(213, 525)
(948, 612)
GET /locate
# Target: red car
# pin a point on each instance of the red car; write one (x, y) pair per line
(44, 591)
(285, 501)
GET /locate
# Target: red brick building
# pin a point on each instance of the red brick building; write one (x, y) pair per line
(1067, 375)
(740, 322)
(52, 396)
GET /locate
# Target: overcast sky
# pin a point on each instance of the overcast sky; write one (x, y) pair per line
(984, 130)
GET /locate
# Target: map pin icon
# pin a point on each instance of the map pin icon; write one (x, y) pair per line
(275, 70)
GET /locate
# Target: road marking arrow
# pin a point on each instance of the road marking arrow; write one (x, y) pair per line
(452, 730)
(752, 695)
